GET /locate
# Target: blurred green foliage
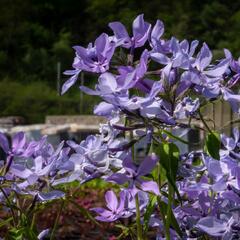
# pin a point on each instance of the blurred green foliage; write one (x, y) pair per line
(35, 100)
(36, 35)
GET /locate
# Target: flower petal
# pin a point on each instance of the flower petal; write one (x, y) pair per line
(111, 200)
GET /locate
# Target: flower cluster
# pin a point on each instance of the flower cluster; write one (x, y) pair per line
(33, 167)
(212, 192)
(150, 87)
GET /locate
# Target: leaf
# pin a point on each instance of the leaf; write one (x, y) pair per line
(4, 222)
(173, 221)
(30, 233)
(15, 234)
(213, 144)
(121, 226)
(169, 157)
(148, 213)
(175, 137)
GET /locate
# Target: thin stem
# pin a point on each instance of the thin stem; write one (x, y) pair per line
(170, 200)
(33, 221)
(204, 122)
(138, 219)
(157, 72)
(57, 220)
(32, 204)
(132, 148)
(159, 181)
(230, 123)
(9, 204)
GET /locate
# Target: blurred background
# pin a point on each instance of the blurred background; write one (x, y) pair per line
(36, 39)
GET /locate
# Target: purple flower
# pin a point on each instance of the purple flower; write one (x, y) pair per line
(133, 174)
(186, 107)
(158, 109)
(134, 77)
(178, 59)
(218, 227)
(206, 75)
(92, 158)
(38, 168)
(235, 68)
(149, 106)
(91, 59)
(107, 86)
(212, 226)
(233, 99)
(43, 234)
(156, 34)
(19, 144)
(230, 143)
(143, 200)
(203, 61)
(116, 209)
(181, 56)
(19, 148)
(140, 28)
(55, 194)
(105, 109)
(110, 86)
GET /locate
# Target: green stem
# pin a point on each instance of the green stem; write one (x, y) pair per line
(138, 219)
(57, 220)
(230, 123)
(159, 176)
(9, 205)
(168, 221)
(204, 122)
(33, 221)
(131, 138)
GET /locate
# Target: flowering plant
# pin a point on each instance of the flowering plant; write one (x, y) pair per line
(150, 87)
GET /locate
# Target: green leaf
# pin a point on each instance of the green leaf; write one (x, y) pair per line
(173, 221)
(213, 144)
(121, 226)
(175, 137)
(148, 213)
(21, 233)
(15, 234)
(169, 157)
(4, 222)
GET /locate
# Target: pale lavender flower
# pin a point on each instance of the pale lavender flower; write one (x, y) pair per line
(235, 68)
(219, 227)
(156, 34)
(115, 209)
(181, 56)
(157, 109)
(18, 147)
(140, 29)
(134, 77)
(133, 174)
(55, 194)
(91, 59)
(39, 167)
(105, 109)
(43, 234)
(230, 143)
(186, 107)
(202, 64)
